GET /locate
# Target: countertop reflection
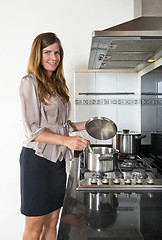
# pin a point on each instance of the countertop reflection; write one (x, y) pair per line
(117, 216)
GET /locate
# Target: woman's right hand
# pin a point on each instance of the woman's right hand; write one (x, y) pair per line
(76, 143)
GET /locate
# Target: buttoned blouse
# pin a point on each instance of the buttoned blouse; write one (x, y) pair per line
(38, 117)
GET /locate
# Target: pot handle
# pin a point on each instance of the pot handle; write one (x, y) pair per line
(106, 157)
(140, 137)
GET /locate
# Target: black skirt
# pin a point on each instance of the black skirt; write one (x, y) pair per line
(43, 184)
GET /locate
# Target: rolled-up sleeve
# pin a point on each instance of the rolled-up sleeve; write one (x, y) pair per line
(30, 108)
(70, 128)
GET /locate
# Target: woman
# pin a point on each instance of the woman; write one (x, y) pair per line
(47, 151)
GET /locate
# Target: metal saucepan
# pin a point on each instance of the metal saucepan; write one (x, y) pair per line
(128, 142)
(103, 159)
(101, 128)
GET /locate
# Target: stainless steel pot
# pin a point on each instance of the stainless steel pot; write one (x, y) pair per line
(128, 142)
(103, 159)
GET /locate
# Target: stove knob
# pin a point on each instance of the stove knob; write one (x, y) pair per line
(93, 180)
(127, 181)
(105, 180)
(116, 180)
(150, 180)
(139, 180)
(128, 194)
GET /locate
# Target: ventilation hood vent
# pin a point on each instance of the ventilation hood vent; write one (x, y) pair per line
(131, 45)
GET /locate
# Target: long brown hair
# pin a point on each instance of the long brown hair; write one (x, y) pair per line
(47, 88)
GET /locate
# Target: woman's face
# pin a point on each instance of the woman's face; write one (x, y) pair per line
(50, 58)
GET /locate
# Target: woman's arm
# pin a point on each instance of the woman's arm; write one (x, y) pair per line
(72, 142)
(78, 126)
(31, 120)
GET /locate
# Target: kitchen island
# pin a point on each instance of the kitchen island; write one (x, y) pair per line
(109, 215)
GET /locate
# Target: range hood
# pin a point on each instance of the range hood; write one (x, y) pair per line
(131, 45)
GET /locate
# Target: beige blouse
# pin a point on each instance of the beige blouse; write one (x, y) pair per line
(37, 117)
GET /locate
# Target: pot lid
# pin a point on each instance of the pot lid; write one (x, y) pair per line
(101, 128)
(157, 133)
(128, 132)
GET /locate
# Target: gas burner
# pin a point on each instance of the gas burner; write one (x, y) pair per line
(127, 164)
(98, 174)
(137, 175)
(127, 156)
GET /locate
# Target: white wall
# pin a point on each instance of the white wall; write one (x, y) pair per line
(20, 22)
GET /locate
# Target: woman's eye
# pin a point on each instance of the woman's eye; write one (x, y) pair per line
(50, 52)
(47, 52)
(57, 53)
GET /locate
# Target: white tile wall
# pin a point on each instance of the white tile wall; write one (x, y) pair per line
(125, 116)
(84, 82)
(83, 113)
(127, 82)
(108, 111)
(106, 82)
(128, 118)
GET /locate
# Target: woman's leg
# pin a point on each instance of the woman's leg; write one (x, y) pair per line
(49, 227)
(41, 228)
(33, 228)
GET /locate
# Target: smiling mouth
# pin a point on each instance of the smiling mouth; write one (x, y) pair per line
(52, 64)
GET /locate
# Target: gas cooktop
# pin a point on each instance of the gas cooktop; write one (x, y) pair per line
(134, 173)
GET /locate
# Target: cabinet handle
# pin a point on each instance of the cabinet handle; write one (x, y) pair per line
(107, 93)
